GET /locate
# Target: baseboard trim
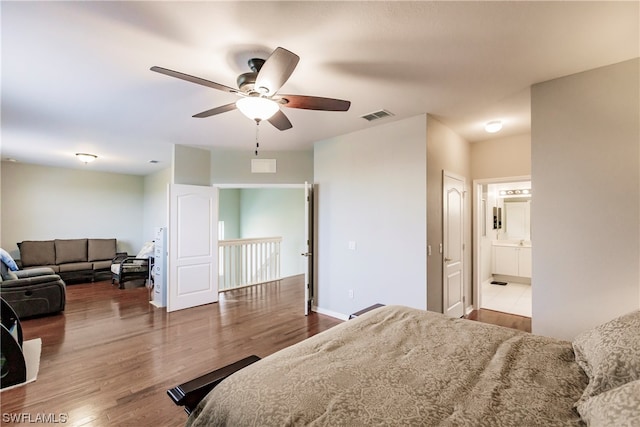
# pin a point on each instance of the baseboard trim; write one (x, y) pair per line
(330, 313)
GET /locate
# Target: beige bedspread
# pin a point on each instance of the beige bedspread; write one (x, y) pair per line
(400, 366)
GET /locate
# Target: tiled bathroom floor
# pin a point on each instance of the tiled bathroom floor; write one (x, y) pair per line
(514, 298)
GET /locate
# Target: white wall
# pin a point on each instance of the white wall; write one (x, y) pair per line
(42, 203)
(586, 185)
(273, 212)
(371, 189)
(155, 202)
(234, 167)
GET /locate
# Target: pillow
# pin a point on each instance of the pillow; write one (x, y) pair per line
(6, 258)
(101, 249)
(618, 407)
(5, 273)
(610, 354)
(70, 250)
(146, 251)
(37, 253)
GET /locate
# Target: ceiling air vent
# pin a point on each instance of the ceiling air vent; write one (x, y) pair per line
(377, 115)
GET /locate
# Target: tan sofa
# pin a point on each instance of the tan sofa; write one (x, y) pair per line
(72, 259)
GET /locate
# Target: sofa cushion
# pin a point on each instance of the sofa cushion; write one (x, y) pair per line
(35, 271)
(75, 266)
(102, 265)
(101, 249)
(37, 252)
(71, 250)
(52, 267)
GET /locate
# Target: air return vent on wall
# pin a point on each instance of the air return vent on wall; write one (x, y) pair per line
(263, 165)
(377, 115)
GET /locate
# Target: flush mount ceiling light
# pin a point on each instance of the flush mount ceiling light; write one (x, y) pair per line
(493, 126)
(257, 108)
(86, 158)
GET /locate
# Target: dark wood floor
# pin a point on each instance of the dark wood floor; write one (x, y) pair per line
(109, 359)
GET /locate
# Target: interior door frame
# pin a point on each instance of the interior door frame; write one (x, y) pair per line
(477, 230)
(301, 186)
(445, 288)
(309, 226)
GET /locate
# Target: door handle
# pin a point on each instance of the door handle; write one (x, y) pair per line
(307, 254)
(447, 259)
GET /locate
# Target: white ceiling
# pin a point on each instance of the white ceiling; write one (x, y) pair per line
(76, 78)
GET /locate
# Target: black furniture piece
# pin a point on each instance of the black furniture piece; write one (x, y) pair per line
(126, 268)
(32, 292)
(13, 368)
(364, 310)
(192, 392)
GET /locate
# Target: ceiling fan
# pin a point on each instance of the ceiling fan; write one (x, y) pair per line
(258, 91)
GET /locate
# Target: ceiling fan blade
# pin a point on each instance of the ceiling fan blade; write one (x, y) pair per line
(314, 103)
(276, 71)
(217, 110)
(194, 79)
(280, 121)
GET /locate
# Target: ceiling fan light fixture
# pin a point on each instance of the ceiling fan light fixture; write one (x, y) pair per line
(86, 158)
(257, 108)
(493, 126)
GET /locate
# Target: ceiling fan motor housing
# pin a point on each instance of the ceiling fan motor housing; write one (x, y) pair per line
(246, 81)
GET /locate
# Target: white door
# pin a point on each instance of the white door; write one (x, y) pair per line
(453, 248)
(193, 246)
(308, 235)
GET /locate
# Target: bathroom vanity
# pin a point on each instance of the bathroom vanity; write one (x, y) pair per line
(512, 258)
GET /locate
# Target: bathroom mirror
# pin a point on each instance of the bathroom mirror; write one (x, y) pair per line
(517, 219)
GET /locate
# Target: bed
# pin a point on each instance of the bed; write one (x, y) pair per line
(401, 366)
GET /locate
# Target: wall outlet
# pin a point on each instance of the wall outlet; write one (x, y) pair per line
(350, 293)
(352, 245)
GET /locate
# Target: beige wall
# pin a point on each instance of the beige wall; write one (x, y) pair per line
(191, 165)
(41, 203)
(155, 202)
(446, 150)
(371, 190)
(586, 215)
(234, 167)
(501, 157)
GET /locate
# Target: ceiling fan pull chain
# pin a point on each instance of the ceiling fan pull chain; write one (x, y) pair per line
(257, 134)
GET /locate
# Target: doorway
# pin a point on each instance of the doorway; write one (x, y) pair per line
(502, 245)
(262, 211)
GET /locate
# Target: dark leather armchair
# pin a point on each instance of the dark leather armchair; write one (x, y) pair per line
(32, 292)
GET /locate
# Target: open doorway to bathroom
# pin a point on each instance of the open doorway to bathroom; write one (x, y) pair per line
(502, 245)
